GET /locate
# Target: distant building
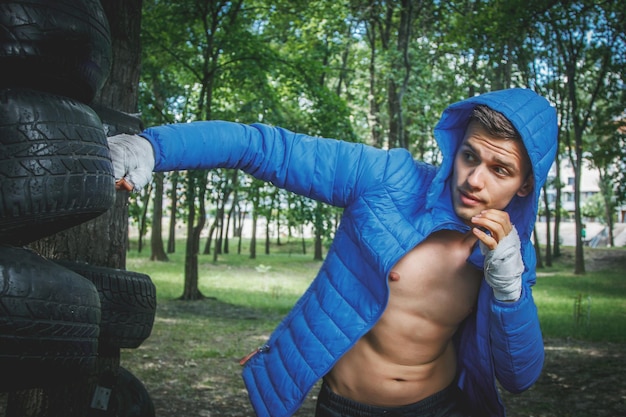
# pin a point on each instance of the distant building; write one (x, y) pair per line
(588, 187)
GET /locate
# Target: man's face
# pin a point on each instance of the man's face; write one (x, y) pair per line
(488, 172)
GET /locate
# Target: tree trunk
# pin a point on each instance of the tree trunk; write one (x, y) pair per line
(230, 222)
(374, 108)
(537, 249)
(396, 122)
(268, 221)
(546, 204)
(241, 214)
(319, 224)
(556, 251)
(209, 238)
(317, 253)
(607, 194)
(253, 238)
(255, 198)
(171, 239)
(267, 235)
(403, 67)
(302, 239)
(579, 263)
(219, 231)
(156, 241)
(143, 223)
(102, 241)
(278, 212)
(609, 222)
(196, 191)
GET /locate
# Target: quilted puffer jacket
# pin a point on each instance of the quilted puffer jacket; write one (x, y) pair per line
(392, 203)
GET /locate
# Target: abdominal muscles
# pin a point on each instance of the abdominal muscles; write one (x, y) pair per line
(409, 354)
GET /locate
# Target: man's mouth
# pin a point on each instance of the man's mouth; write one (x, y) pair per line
(469, 199)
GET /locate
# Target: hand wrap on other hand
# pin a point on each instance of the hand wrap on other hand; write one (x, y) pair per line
(504, 267)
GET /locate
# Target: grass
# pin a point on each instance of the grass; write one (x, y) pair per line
(590, 307)
(587, 307)
(270, 282)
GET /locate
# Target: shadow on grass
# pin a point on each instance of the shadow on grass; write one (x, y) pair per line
(579, 379)
(212, 307)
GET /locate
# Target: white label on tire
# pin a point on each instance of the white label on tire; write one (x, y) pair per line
(100, 400)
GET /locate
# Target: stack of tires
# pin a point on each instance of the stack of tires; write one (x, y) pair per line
(55, 173)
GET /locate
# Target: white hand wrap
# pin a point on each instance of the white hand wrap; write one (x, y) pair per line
(504, 267)
(133, 159)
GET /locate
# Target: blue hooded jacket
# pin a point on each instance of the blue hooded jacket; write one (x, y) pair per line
(391, 203)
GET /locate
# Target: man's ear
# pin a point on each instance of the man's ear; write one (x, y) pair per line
(527, 187)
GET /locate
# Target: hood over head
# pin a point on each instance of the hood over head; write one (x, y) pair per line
(535, 120)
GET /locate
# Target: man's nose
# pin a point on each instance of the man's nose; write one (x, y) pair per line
(476, 177)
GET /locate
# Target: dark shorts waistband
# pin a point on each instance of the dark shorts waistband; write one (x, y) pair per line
(443, 403)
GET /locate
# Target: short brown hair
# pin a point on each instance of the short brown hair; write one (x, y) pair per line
(494, 122)
(498, 126)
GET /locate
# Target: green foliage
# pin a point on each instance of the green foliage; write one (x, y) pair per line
(350, 69)
(594, 207)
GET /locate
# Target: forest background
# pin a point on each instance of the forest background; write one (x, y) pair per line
(378, 72)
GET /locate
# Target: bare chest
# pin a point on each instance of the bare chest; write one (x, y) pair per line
(434, 280)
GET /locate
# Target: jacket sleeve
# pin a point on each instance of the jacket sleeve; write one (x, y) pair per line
(517, 343)
(328, 170)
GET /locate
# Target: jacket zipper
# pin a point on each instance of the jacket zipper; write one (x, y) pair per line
(249, 356)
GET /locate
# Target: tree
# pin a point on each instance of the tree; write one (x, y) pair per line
(173, 198)
(587, 44)
(156, 241)
(330, 68)
(138, 212)
(607, 155)
(195, 192)
(390, 30)
(198, 34)
(547, 211)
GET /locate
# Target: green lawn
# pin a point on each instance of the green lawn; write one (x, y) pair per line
(587, 307)
(273, 282)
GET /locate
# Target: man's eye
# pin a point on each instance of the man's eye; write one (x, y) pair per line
(501, 171)
(469, 156)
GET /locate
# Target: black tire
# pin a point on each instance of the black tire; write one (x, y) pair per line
(128, 303)
(62, 46)
(55, 167)
(49, 321)
(129, 398)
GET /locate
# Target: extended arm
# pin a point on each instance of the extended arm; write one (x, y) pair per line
(324, 169)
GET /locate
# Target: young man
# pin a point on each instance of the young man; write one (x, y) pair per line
(424, 297)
